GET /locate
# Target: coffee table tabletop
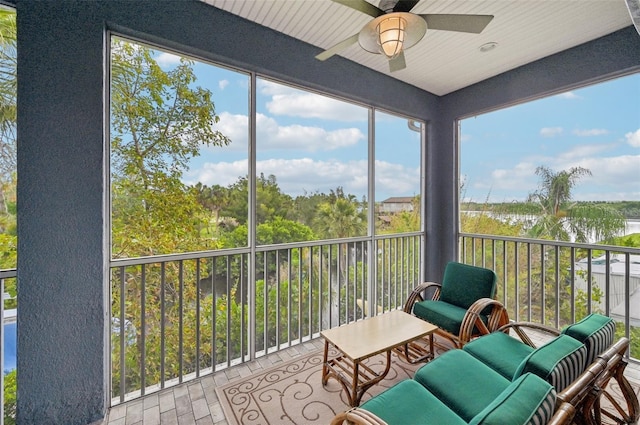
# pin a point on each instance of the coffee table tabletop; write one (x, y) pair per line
(366, 338)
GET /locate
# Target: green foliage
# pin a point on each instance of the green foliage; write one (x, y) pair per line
(271, 202)
(341, 216)
(560, 218)
(10, 397)
(159, 122)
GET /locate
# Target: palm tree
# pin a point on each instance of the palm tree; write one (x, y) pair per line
(341, 219)
(560, 218)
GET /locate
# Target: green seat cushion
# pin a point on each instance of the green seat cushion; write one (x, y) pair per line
(444, 315)
(410, 403)
(462, 284)
(595, 331)
(462, 382)
(528, 400)
(558, 362)
(500, 352)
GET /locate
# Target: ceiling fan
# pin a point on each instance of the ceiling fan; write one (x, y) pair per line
(394, 28)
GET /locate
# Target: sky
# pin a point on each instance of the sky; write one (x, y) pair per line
(596, 127)
(315, 143)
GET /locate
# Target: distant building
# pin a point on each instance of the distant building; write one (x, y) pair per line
(396, 204)
(617, 283)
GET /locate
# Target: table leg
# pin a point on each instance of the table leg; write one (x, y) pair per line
(360, 389)
(325, 366)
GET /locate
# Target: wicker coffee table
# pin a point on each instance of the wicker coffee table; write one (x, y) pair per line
(358, 341)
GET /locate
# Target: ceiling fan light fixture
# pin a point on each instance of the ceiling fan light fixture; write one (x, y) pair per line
(391, 33)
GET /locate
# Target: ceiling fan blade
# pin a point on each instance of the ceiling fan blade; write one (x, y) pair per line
(362, 6)
(397, 63)
(338, 48)
(405, 5)
(462, 23)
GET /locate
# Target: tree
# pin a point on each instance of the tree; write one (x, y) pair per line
(160, 119)
(561, 219)
(8, 87)
(159, 122)
(341, 216)
(8, 159)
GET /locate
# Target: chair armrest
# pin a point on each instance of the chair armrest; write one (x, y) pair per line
(357, 416)
(520, 329)
(416, 295)
(498, 317)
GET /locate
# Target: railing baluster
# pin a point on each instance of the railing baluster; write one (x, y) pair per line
(162, 324)
(557, 287)
(123, 368)
(181, 322)
(197, 318)
(143, 329)
(214, 317)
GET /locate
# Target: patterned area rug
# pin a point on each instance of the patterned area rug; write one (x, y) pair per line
(292, 392)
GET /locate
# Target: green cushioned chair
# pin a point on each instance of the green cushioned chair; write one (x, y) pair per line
(595, 331)
(559, 362)
(528, 400)
(501, 352)
(462, 382)
(407, 403)
(462, 306)
(456, 388)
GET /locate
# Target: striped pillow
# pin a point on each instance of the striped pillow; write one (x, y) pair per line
(595, 331)
(545, 411)
(559, 362)
(527, 400)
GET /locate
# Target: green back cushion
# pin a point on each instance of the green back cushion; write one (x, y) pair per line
(408, 402)
(499, 351)
(559, 362)
(595, 331)
(462, 382)
(462, 285)
(528, 400)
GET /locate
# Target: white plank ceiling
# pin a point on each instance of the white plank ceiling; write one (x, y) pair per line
(443, 61)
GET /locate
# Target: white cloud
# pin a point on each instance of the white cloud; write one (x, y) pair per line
(271, 135)
(167, 59)
(613, 178)
(582, 151)
(591, 132)
(550, 131)
(616, 172)
(300, 175)
(569, 95)
(510, 179)
(223, 84)
(292, 102)
(222, 173)
(633, 138)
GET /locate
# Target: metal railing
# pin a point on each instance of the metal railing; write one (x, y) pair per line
(178, 317)
(8, 410)
(557, 283)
